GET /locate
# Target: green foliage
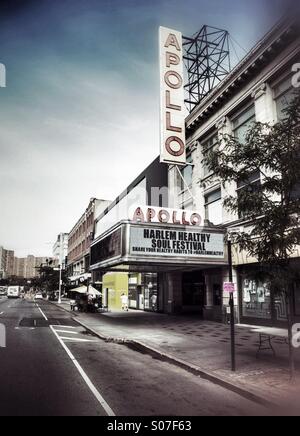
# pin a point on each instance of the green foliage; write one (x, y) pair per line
(49, 279)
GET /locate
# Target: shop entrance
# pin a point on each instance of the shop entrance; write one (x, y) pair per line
(193, 292)
(143, 292)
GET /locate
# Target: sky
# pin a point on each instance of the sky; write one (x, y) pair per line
(79, 117)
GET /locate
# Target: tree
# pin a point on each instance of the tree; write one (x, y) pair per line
(48, 279)
(271, 207)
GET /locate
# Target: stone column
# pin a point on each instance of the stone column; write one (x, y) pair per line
(173, 292)
(209, 307)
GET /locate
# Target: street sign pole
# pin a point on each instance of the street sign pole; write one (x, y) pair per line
(59, 289)
(231, 304)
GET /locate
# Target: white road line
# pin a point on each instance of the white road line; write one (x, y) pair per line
(64, 327)
(64, 338)
(42, 313)
(85, 377)
(67, 331)
(1, 313)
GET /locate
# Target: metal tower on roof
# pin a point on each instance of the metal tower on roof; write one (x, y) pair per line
(207, 59)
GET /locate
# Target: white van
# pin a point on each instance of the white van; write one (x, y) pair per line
(14, 292)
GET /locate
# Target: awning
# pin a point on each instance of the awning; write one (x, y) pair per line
(84, 290)
(80, 290)
(94, 292)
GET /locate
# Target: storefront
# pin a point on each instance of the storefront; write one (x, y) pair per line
(143, 292)
(261, 305)
(164, 263)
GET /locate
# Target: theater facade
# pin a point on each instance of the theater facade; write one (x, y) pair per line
(160, 257)
(162, 241)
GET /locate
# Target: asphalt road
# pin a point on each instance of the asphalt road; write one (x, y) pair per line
(51, 366)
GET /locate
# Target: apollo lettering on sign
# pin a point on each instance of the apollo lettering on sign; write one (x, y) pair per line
(150, 214)
(172, 97)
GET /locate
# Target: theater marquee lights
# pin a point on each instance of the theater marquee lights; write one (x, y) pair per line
(150, 214)
(172, 97)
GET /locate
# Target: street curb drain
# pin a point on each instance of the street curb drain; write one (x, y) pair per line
(191, 368)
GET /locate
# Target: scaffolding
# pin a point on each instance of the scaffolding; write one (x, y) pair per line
(207, 59)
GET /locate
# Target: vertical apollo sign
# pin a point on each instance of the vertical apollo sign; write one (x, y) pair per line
(172, 97)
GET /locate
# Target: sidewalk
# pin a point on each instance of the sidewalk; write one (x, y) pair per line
(205, 344)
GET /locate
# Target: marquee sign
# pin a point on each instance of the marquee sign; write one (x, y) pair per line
(150, 214)
(108, 248)
(175, 243)
(172, 97)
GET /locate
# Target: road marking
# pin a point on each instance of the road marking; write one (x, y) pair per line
(42, 313)
(64, 338)
(85, 377)
(67, 331)
(64, 327)
(1, 313)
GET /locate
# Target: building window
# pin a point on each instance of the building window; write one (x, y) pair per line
(208, 145)
(256, 299)
(283, 96)
(213, 207)
(251, 185)
(187, 174)
(242, 123)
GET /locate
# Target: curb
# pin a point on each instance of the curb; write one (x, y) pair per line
(191, 368)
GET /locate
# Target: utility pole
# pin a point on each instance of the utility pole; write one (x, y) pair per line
(60, 280)
(60, 269)
(231, 304)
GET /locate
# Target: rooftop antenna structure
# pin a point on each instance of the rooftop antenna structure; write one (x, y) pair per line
(207, 60)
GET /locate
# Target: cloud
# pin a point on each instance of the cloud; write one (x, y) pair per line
(80, 114)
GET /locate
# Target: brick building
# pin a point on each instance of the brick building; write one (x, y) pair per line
(80, 238)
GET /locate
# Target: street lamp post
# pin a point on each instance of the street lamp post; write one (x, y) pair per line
(60, 269)
(60, 280)
(231, 305)
(230, 232)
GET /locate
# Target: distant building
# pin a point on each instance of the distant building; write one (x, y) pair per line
(2, 262)
(60, 248)
(27, 267)
(6, 263)
(19, 267)
(10, 257)
(80, 238)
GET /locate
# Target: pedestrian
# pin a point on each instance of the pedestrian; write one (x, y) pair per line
(154, 302)
(124, 301)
